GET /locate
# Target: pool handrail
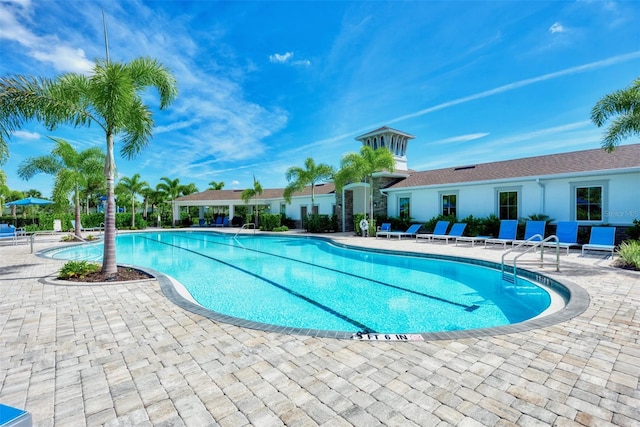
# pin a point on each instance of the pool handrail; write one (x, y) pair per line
(245, 226)
(531, 243)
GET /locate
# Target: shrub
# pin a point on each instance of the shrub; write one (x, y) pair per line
(78, 269)
(123, 221)
(318, 223)
(629, 252)
(269, 222)
(490, 226)
(633, 232)
(286, 221)
(357, 218)
(281, 228)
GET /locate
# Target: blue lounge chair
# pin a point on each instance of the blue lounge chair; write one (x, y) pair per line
(533, 233)
(601, 239)
(202, 222)
(219, 221)
(567, 234)
(411, 232)
(385, 227)
(507, 233)
(8, 232)
(225, 222)
(439, 230)
(456, 231)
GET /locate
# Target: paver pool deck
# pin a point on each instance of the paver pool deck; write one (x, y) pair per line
(125, 355)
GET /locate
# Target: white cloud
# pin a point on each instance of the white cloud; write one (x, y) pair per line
(281, 58)
(462, 138)
(521, 83)
(557, 28)
(47, 49)
(287, 58)
(23, 134)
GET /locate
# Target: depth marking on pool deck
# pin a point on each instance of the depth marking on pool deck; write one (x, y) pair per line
(469, 308)
(277, 285)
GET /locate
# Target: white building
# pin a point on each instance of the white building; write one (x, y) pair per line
(591, 186)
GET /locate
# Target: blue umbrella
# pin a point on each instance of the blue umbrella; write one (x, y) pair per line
(28, 202)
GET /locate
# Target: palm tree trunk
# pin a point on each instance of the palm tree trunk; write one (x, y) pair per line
(76, 199)
(133, 212)
(109, 266)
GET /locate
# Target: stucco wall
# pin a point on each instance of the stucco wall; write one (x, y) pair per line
(552, 197)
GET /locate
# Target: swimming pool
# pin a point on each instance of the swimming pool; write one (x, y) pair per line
(311, 283)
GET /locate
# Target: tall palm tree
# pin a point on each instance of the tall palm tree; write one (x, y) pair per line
(311, 174)
(146, 194)
(172, 190)
(111, 98)
(133, 186)
(356, 167)
(213, 185)
(624, 104)
(72, 170)
(254, 192)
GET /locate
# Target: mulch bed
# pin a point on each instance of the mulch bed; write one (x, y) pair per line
(124, 274)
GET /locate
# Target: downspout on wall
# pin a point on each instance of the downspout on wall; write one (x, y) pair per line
(542, 196)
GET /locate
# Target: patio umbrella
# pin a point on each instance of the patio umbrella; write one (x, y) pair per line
(29, 201)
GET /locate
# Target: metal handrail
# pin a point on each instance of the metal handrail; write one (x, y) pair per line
(243, 227)
(539, 242)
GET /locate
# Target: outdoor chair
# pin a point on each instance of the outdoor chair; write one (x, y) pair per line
(601, 239)
(567, 234)
(385, 227)
(8, 232)
(439, 230)
(456, 231)
(411, 232)
(507, 233)
(533, 233)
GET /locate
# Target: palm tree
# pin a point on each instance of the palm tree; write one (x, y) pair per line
(216, 185)
(625, 104)
(133, 186)
(111, 97)
(172, 190)
(356, 167)
(311, 174)
(72, 170)
(146, 194)
(254, 192)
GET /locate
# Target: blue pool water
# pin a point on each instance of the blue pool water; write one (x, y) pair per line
(304, 282)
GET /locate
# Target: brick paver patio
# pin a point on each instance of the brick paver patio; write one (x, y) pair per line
(125, 355)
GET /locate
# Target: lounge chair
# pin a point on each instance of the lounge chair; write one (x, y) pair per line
(567, 234)
(225, 222)
(385, 227)
(8, 232)
(439, 230)
(411, 232)
(73, 225)
(472, 239)
(219, 221)
(601, 239)
(533, 233)
(507, 233)
(202, 222)
(456, 231)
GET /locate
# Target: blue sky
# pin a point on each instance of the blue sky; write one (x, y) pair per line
(264, 85)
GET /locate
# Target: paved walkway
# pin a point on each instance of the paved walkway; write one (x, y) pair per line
(124, 355)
